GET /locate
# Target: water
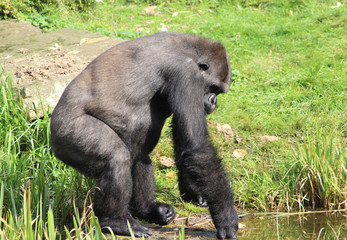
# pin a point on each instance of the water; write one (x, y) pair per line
(310, 225)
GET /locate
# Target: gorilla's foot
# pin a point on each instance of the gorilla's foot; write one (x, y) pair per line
(157, 212)
(120, 227)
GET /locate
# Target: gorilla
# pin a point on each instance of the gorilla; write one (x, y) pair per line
(110, 118)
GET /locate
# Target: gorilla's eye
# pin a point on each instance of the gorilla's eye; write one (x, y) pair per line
(203, 66)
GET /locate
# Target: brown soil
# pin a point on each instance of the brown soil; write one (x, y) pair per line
(32, 55)
(36, 66)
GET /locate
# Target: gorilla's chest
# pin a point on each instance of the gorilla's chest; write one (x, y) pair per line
(145, 131)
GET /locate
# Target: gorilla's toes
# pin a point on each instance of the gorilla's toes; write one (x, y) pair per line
(120, 227)
(140, 231)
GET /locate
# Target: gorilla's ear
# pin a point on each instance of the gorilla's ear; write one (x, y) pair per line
(204, 66)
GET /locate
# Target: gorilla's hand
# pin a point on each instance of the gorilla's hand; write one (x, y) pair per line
(228, 227)
(162, 213)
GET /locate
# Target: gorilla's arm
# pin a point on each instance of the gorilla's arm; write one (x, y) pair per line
(195, 156)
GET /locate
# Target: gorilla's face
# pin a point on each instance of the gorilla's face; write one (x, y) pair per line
(217, 75)
(211, 91)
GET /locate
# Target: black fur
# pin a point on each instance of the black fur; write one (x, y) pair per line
(110, 118)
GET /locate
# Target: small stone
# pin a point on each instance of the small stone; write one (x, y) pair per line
(266, 139)
(239, 153)
(166, 161)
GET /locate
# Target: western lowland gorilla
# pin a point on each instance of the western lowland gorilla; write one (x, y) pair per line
(110, 117)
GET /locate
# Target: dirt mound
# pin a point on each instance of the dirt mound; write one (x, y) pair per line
(43, 64)
(36, 67)
(32, 55)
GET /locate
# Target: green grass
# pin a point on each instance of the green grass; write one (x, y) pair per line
(289, 62)
(320, 169)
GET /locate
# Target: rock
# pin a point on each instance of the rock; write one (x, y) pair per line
(43, 64)
(266, 139)
(166, 161)
(239, 153)
(228, 132)
(41, 96)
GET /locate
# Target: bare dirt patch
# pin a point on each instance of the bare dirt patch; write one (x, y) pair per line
(43, 64)
(32, 55)
(36, 67)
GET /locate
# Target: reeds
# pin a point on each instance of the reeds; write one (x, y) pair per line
(320, 165)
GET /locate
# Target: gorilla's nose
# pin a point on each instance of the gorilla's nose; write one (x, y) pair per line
(213, 99)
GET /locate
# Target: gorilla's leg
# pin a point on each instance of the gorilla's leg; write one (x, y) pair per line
(112, 199)
(113, 195)
(142, 203)
(96, 150)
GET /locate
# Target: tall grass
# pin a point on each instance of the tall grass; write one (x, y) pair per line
(313, 176)
(29, 224)
(26, 224)
(321, 171)
(36, 189)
